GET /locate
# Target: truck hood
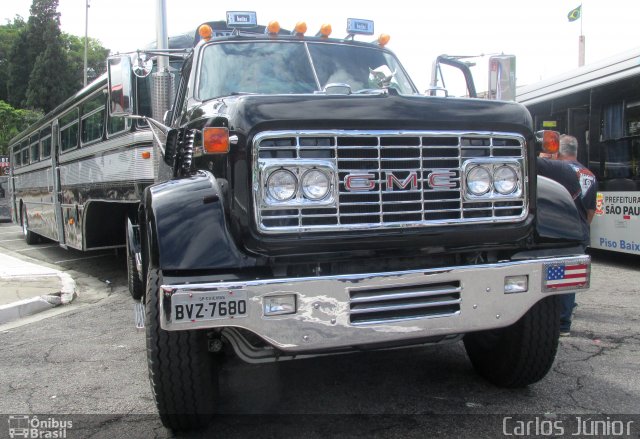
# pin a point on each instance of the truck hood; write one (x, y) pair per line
(251, 113)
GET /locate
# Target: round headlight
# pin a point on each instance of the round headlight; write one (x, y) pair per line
(315, 184)
(505, 180)
(282, 185)
(478, 180)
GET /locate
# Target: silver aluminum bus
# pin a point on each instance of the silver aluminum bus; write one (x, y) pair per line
(77, 173)
(599, 104)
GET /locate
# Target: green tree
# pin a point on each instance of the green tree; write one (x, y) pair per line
(9, 33)
(50, 83)
(38, 75)
(96, 58)
(42, 30)
(18, 71)
(12, 122)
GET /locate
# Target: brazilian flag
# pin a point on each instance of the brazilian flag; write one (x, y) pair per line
(574, 14)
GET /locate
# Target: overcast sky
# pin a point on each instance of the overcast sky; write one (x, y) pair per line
(537, 32)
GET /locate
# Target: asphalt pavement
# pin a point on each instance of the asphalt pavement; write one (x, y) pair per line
(28, 286)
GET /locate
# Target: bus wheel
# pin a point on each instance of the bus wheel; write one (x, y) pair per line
(30, 237)
(520, 354)
(136, 287)
(182, 372)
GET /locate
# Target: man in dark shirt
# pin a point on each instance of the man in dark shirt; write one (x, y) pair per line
(583, 187)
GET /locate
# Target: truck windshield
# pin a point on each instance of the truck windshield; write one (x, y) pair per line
(284, 67)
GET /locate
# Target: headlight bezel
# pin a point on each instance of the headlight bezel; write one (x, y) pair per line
(298, 168)
(492, 165)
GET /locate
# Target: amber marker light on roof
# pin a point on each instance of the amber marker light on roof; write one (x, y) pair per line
(215, 140)
(301, 28)
(273, 27)
(146, 155)
(325, 30)
(383, 39)
(205, 32)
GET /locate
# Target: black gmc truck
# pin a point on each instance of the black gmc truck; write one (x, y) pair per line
(309, 200)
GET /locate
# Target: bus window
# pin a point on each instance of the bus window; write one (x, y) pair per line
(45, 140)
(632, 118)
(93, 111)
(34, 143)
(69, 131)
(613, 122)
(25, 153)
(117, 125)
(17, 157)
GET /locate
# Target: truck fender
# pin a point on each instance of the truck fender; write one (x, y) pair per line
(189, 225)
(557, 216)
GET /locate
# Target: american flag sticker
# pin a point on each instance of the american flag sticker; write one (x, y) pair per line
(564, 276)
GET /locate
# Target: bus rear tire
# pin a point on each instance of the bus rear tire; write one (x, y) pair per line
(182, 372)
(520, 354)
(30, 237)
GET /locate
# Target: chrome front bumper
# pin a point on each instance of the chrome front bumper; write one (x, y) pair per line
(335, 312)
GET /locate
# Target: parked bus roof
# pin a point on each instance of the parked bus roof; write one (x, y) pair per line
(608, 70)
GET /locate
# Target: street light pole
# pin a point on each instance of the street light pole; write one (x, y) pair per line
(86, 39)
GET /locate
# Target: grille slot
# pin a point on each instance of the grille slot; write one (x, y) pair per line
(394, 304)
(401, 167)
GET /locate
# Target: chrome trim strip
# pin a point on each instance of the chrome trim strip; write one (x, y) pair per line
(129, 139)
(323, 317)
(368, 309)
(261, 214)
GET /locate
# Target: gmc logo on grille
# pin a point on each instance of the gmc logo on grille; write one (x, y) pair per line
(438, 179)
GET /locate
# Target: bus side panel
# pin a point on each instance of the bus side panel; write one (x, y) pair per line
(616, 224)
(189, 225)
(34, 195)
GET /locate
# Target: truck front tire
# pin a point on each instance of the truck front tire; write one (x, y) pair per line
(520, 354)
(181, 370)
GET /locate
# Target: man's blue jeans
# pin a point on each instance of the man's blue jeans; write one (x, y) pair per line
(568, 301)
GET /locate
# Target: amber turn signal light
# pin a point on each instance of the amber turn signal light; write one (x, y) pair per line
(550, 141)
(215, 140)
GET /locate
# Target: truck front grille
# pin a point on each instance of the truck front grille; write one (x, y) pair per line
(416, 179)
(391, 304)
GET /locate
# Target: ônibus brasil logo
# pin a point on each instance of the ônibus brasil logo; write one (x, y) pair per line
(25, 426)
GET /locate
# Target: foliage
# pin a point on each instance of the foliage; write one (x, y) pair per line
(49, 83)
(39, 65)
(12, 122)
(96, 57)
(8, 35)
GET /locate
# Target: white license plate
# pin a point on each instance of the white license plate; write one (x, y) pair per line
(197, 307)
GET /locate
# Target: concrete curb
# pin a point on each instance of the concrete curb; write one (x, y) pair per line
(61, 285)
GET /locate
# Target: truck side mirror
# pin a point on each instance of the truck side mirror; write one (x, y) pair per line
(120, 86)
(502, 77)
